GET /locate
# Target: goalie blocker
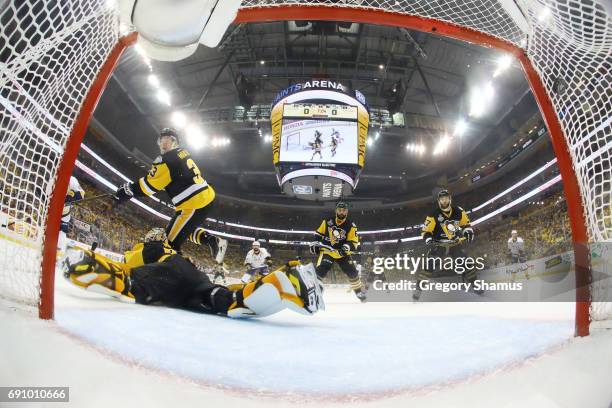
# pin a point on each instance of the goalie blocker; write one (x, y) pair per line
(176, 282)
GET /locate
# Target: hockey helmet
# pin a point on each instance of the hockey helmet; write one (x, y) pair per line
(444, 193)
(168, 132)
(341, 206)
(155, 235)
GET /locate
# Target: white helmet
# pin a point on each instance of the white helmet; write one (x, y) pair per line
(256, 244)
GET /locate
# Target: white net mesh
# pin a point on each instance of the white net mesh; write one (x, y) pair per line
(50, 53)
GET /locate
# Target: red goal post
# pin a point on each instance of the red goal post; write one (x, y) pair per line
(568, 49)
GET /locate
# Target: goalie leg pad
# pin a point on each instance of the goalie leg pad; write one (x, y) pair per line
(266, 296)
(95, 273)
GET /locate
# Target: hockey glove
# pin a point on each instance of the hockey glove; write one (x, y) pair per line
(344, 249)
(72, 198)
(314, 248)
(468, 233)
(124, 192)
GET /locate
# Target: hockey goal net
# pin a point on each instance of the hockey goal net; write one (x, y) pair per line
(55, 57)
(292, 142)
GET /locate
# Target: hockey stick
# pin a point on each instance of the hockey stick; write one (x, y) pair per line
(330, 248)
(97, 197)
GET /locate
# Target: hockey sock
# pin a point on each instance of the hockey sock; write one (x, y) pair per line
(355, 284)
(199, 236)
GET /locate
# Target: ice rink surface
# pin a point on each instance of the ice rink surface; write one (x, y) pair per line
(379, 354)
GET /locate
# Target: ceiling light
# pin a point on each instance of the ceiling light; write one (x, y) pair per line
(220, 141)
(442, 145)
(481, 98)
(163, 97)
(489, 90)
(460, 128)
(153, 80)
(179, 120)
(195, 137)
(503, 63)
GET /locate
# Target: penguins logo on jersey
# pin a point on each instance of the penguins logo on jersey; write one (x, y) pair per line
(452, 226)
(338, 234)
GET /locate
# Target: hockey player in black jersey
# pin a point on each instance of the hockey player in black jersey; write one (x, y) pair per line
(445, 228)
(154, 274)
(338, 236)
(175, 172)
(334, 145)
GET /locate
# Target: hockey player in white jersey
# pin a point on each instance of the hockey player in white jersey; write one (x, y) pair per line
(516, 252)
(257, 261)
(74, 193)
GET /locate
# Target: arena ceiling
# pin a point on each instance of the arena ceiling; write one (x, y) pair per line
(435, 76)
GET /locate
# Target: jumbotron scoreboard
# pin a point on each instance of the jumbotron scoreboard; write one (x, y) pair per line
(319, 132)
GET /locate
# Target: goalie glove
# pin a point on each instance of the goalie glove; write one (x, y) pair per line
(124, 192)
(468, 233)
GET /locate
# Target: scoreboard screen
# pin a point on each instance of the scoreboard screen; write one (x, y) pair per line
(320, 111)
(320, 133)
(319, 130)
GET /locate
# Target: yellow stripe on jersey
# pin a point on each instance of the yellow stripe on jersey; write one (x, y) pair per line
(180, 221)
(156, 180)
(322, 228)
(199, 200)
(142, 183)
(133, 258)
(429, 225)
(154, 252)
(465, 220)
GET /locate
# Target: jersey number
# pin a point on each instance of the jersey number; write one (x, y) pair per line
(197, 176)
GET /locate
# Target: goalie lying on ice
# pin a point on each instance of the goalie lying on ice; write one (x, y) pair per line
(176, 282)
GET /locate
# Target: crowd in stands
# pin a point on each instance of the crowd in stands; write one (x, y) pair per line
(543, 225)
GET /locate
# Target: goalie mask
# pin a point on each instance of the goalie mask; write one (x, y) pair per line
(155, 235)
